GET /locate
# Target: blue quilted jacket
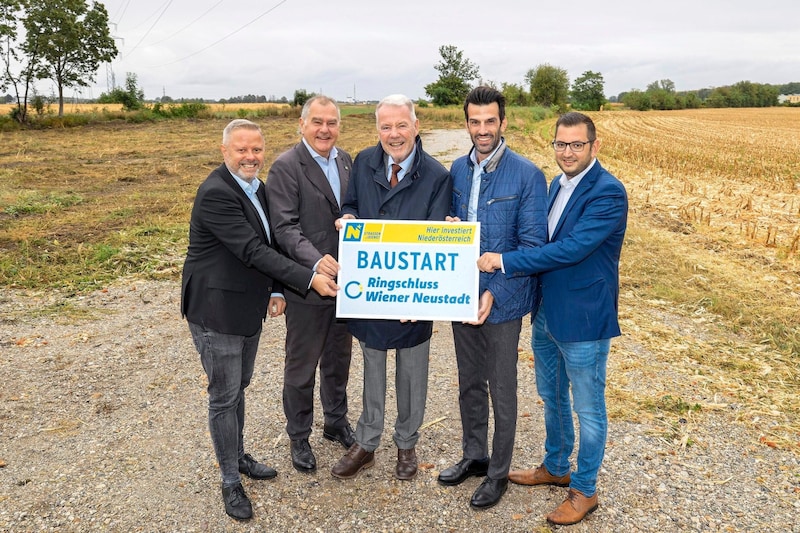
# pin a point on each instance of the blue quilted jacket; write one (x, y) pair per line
(512, 210)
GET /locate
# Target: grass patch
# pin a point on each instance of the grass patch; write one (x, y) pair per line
(36, 202)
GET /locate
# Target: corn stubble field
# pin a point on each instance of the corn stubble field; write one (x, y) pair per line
(712, 245)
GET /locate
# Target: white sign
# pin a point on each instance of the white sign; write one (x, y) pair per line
(408, 269)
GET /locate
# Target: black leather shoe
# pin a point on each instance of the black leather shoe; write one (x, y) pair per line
(237, 504)
(255, 470)
(489, 493)
(344, 435)
(302, 457)
(456, 474)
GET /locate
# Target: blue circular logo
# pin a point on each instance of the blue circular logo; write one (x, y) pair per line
(353, 290)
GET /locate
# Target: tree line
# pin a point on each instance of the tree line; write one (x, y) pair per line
(549, 86)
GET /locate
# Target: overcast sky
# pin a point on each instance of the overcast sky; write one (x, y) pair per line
(215, 49)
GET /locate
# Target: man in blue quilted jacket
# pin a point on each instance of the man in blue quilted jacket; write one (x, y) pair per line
(507, 194)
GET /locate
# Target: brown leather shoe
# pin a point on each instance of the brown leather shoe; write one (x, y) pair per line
(354, 461)
(406, 464)
(573, 509)
(538, 476)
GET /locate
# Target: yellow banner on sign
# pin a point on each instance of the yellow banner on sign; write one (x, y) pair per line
(437, 233)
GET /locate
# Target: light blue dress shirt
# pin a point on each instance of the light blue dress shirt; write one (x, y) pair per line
(477, 170)
(250, 190)
(329, 168)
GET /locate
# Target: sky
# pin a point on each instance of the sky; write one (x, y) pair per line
(367, 49)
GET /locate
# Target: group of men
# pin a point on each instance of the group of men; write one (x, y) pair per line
(258, 249)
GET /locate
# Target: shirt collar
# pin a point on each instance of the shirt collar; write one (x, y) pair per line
(572, 183)
(315, 155)
(406, 164)
(473, 154)
(248, 188)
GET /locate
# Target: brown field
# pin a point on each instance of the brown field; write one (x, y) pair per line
(712, 244)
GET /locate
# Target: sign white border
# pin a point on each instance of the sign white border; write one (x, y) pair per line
(408, 270)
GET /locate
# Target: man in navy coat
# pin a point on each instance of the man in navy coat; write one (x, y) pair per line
(395, 180)
(577, 317)
(227, 288)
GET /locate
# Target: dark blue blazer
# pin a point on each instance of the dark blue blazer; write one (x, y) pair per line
(579, 268)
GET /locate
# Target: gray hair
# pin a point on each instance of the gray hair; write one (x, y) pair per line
(398, 100)
(322, 99)
(237, 124)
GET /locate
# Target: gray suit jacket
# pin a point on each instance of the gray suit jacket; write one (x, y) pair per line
(303, 209)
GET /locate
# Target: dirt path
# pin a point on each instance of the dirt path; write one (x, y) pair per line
(446, 145)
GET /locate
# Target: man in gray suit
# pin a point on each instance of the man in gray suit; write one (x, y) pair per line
(305, 186)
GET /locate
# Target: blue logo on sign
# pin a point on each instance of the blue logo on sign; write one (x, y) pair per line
(353, 232)
(353, 290)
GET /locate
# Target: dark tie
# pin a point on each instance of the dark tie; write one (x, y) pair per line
(393, 178)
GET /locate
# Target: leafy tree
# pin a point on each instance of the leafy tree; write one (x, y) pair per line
(636, 99)
(8, 34)
(70, 40)
(514, 94)
(549, 86)
(691, 101)
(455, 73)
(666, 85)
(588, 92)
(22, 79)
(790, 88)
(301, 96)
(131, 97)
(662, 94)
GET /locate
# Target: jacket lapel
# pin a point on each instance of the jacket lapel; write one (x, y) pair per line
(581, 190)
(314, 174)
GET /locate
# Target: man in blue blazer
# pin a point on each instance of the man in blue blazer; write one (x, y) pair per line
(577, 315)
(227, 288)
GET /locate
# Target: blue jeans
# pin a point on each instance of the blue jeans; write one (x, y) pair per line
(583, 365)
(228, 361)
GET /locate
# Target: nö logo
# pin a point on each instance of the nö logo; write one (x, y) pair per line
(353, 232)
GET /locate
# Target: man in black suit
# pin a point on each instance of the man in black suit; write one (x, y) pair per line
(226, 290)
(305, 187)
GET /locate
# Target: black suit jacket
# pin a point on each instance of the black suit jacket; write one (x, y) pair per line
(230, 264)
(303, 210)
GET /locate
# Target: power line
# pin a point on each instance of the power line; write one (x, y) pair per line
(173, 34)
(124, 9)
(234, 32)
(166, 6)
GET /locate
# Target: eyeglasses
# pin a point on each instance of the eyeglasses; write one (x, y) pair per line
(576, 146)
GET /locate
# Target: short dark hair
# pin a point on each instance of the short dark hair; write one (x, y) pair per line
(573, 118)
(483, 95)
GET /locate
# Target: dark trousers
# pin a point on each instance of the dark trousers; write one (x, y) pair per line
(315, 337)
(487, 366)
(228, 361)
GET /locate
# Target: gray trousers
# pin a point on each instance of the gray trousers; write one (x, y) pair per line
(487, 365)
(411, 385)
(228, 361)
